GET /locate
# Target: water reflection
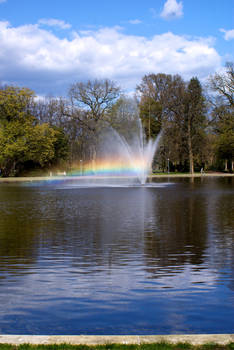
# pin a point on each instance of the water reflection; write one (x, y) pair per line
(117, 260)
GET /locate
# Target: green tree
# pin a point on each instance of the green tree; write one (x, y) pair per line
(150, 114)
(223, 128)
(22, 139)
(23, 142)
(15, 103)
(195, 120)
(223, 114)
(168, 103)
(162, 107)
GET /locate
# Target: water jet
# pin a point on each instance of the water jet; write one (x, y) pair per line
(119, 158)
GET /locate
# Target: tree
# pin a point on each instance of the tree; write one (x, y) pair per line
(162, 108)
(90, 104)
(223, 128)
(23, 142)
(222, 114)
(124, 117)
(179, 110)
(156, 87)
(22, 139)
(223, 84)
(96, 98)
(150, 114)
(15, 103)
(194, 119)
(174, 146)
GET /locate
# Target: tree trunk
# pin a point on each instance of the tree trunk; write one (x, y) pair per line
(226, 165)
(191, 164)
(232, 165)
(9, 168)
(93, 157)
(149, 129)
(149, 124)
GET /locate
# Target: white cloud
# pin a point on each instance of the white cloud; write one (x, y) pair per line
(228, 34)
(52, 22)
(35, 57)
(135, 21)
(1, 1)
(172, 9)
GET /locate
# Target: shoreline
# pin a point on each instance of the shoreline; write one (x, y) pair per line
(166, 175)
(193, 339)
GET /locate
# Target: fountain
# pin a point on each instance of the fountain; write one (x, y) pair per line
(122, 154)
(127, 158)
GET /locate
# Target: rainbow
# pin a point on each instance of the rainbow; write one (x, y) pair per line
(107, 167)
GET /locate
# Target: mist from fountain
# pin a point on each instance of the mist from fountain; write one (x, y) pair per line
(129, 158)
(122, 154)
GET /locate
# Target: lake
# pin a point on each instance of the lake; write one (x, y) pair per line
(155, 259)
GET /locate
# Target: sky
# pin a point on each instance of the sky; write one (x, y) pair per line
(47, 45)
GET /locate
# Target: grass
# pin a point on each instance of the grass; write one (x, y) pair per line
(156, 346)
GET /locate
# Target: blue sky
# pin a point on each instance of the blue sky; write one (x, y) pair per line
(49, 44)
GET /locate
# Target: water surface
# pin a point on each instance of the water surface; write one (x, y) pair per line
(117, 260)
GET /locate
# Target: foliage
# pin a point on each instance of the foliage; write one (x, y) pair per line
(15, 103)
(22, 139)
(222, 121)
(196, 132)
(150, 114)
(124, 117)
(167, 103)
(225, 141)
(195, 119)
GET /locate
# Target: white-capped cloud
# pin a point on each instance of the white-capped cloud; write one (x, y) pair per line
(228, 34)
(37, 58)
(172, 9)
(134, 21)
(53, 22)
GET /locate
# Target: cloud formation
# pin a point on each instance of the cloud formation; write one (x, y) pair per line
(172, 9)
(52, 22)
(1, 1)
(37, 58)
(228, 34)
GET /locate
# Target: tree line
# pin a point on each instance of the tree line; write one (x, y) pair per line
(196, 123)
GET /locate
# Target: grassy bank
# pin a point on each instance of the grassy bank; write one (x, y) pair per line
(153, 346)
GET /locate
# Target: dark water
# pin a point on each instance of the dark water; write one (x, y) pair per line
(152, 260)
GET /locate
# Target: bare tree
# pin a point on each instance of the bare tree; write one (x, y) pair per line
(224, 83)
(95, 97)
(90, 103)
